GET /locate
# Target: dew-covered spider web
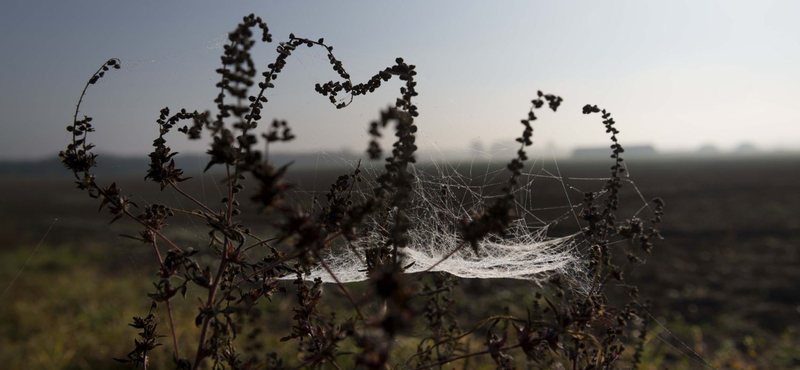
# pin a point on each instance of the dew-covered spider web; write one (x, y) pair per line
(449, 189)
(544, 240)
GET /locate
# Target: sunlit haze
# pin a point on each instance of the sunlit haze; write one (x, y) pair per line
(676, 74)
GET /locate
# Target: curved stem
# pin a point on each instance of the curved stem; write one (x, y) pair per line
(428, 366)
(457, 338)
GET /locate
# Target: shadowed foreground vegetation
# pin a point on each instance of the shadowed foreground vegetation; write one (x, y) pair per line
(225, 280)
(725, 287)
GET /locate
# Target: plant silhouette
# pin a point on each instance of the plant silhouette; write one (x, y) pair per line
(566, 327)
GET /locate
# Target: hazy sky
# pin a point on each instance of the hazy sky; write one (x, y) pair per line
(677, 74)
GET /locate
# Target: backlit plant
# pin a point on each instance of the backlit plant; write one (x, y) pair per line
(566, 326)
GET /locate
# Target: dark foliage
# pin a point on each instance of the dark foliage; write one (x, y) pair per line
(564, 327)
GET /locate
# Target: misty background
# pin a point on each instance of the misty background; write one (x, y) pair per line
(679, 76)
(704, 93)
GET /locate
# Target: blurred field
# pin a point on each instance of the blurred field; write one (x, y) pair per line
(724, 282)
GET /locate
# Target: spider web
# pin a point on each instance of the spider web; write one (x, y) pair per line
(446, 191)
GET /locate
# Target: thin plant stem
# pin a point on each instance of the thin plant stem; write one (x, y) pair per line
(212, 291)
(199, 203)
(428, 366)
(448, 255)
(339, 283)
(164, 272)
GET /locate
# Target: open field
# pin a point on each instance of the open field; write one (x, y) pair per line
(723, 282)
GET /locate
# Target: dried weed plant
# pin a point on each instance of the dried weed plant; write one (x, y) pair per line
(566, 327)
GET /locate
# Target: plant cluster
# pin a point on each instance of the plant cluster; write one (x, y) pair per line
(564, 328)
